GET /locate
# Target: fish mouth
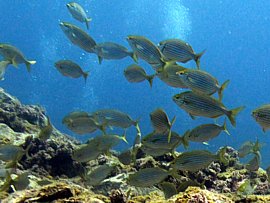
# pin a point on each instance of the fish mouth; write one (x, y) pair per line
(68, 5)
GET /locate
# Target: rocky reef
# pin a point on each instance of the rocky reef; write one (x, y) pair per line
(53, 176)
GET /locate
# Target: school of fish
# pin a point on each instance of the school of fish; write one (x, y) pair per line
(166, 59)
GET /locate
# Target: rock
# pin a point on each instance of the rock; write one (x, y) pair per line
(56, 192)
(19, 117)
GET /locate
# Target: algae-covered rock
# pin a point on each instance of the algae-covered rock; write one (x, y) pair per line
(19, 117)
(198, 195)
(56, 192)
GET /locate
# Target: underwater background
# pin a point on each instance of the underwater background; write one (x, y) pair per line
(235, 35)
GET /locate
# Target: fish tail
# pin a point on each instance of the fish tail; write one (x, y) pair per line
(85, 75)
(123, 137)
(224, 127)
(28, 65)
(87, 20)
(197, 58)
(221, 156)
(221, 89)
(134, 56)
(185, 140)
(233, 113)
(170, 130)
(150, 79)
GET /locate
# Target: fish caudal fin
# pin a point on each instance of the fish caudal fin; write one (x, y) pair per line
(224, 127)
(28, 65)
(134, 56)
(197, 58)
(85, 75)
(185, 139)
(233, 113)
(170, 129)
(221, 89)
(87, 20)
(123, 137)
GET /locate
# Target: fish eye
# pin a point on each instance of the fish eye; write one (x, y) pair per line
(180, 72)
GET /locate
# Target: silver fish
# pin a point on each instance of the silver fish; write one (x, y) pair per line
(78, 13)
(70, 69)
(15, 56)
(113, 117)
(204, 105)
(147, 177)
(161, 122)
(78, 37)
(202, 82)
(178, 50)
(196, 160)
(206, 132)
(147, 50)
(136, 74)
(262, 116)
(99, 174)
(168, 75)
(110, 50)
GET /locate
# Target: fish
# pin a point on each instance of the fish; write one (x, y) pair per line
(125, 157)
(78, 37)
(179, 50)
(161, 122)
(168, 75)
(146, 50)
(147, 177)
(160, 141)
(205, 106)
(107, 141)
(70, 69)
(73, 116)
(262, 116)
(46, 132)
(77, 11)
(111, 50)
(86, 152)
(155, 152)
(3, 66)
(246, 148)
(206, 132)
(15, 56)
(254, 163)
(113, 117)
(99, 174)
(202, 82)
(19, 183)
(168, 189)
(197, 159)
(268, 173)
(85, 125)
(10, 152)
(136, 74)
(246, 188)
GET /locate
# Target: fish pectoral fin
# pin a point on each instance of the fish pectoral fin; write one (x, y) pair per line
(14, 63)
(100, 59)
(192, 116)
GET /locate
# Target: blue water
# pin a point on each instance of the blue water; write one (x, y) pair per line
(234, 33)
